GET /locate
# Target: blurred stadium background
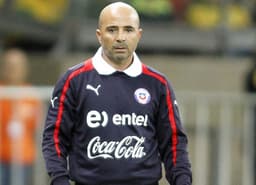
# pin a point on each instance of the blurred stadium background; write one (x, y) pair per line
(205, 47)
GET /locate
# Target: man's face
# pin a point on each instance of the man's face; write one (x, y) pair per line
(119, 34)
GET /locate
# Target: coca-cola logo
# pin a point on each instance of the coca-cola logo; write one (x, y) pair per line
(128, 147)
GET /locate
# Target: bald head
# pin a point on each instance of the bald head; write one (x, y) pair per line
(118, 9)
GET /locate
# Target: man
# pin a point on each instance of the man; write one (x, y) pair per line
(112, 119)
(19, 118)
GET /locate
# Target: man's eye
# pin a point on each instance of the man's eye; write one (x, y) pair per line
(129, 30)
(111, 30)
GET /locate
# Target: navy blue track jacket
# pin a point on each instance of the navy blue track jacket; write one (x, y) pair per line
(106, 127)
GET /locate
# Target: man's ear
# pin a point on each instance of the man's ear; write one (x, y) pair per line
(98, 35)
(140, 32)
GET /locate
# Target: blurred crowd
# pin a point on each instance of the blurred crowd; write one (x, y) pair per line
(197, 13)
(47, 24)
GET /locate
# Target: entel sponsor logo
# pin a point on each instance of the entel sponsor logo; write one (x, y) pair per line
(96, 119)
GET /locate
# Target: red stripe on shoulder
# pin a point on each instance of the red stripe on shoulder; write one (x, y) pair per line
(86, 67)
(170, 110)
(153, 74)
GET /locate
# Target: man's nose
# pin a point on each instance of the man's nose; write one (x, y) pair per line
(121, 36)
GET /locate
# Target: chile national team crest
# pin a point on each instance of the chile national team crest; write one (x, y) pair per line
(142, 96)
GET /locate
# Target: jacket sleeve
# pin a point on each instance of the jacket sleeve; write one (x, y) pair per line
(172, 140)
(57, 131)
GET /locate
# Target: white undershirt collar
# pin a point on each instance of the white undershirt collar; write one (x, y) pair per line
(103, 68)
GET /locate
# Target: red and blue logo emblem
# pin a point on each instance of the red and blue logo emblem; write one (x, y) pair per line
(142, 96)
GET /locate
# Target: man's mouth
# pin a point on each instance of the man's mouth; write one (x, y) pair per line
(120, 48)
